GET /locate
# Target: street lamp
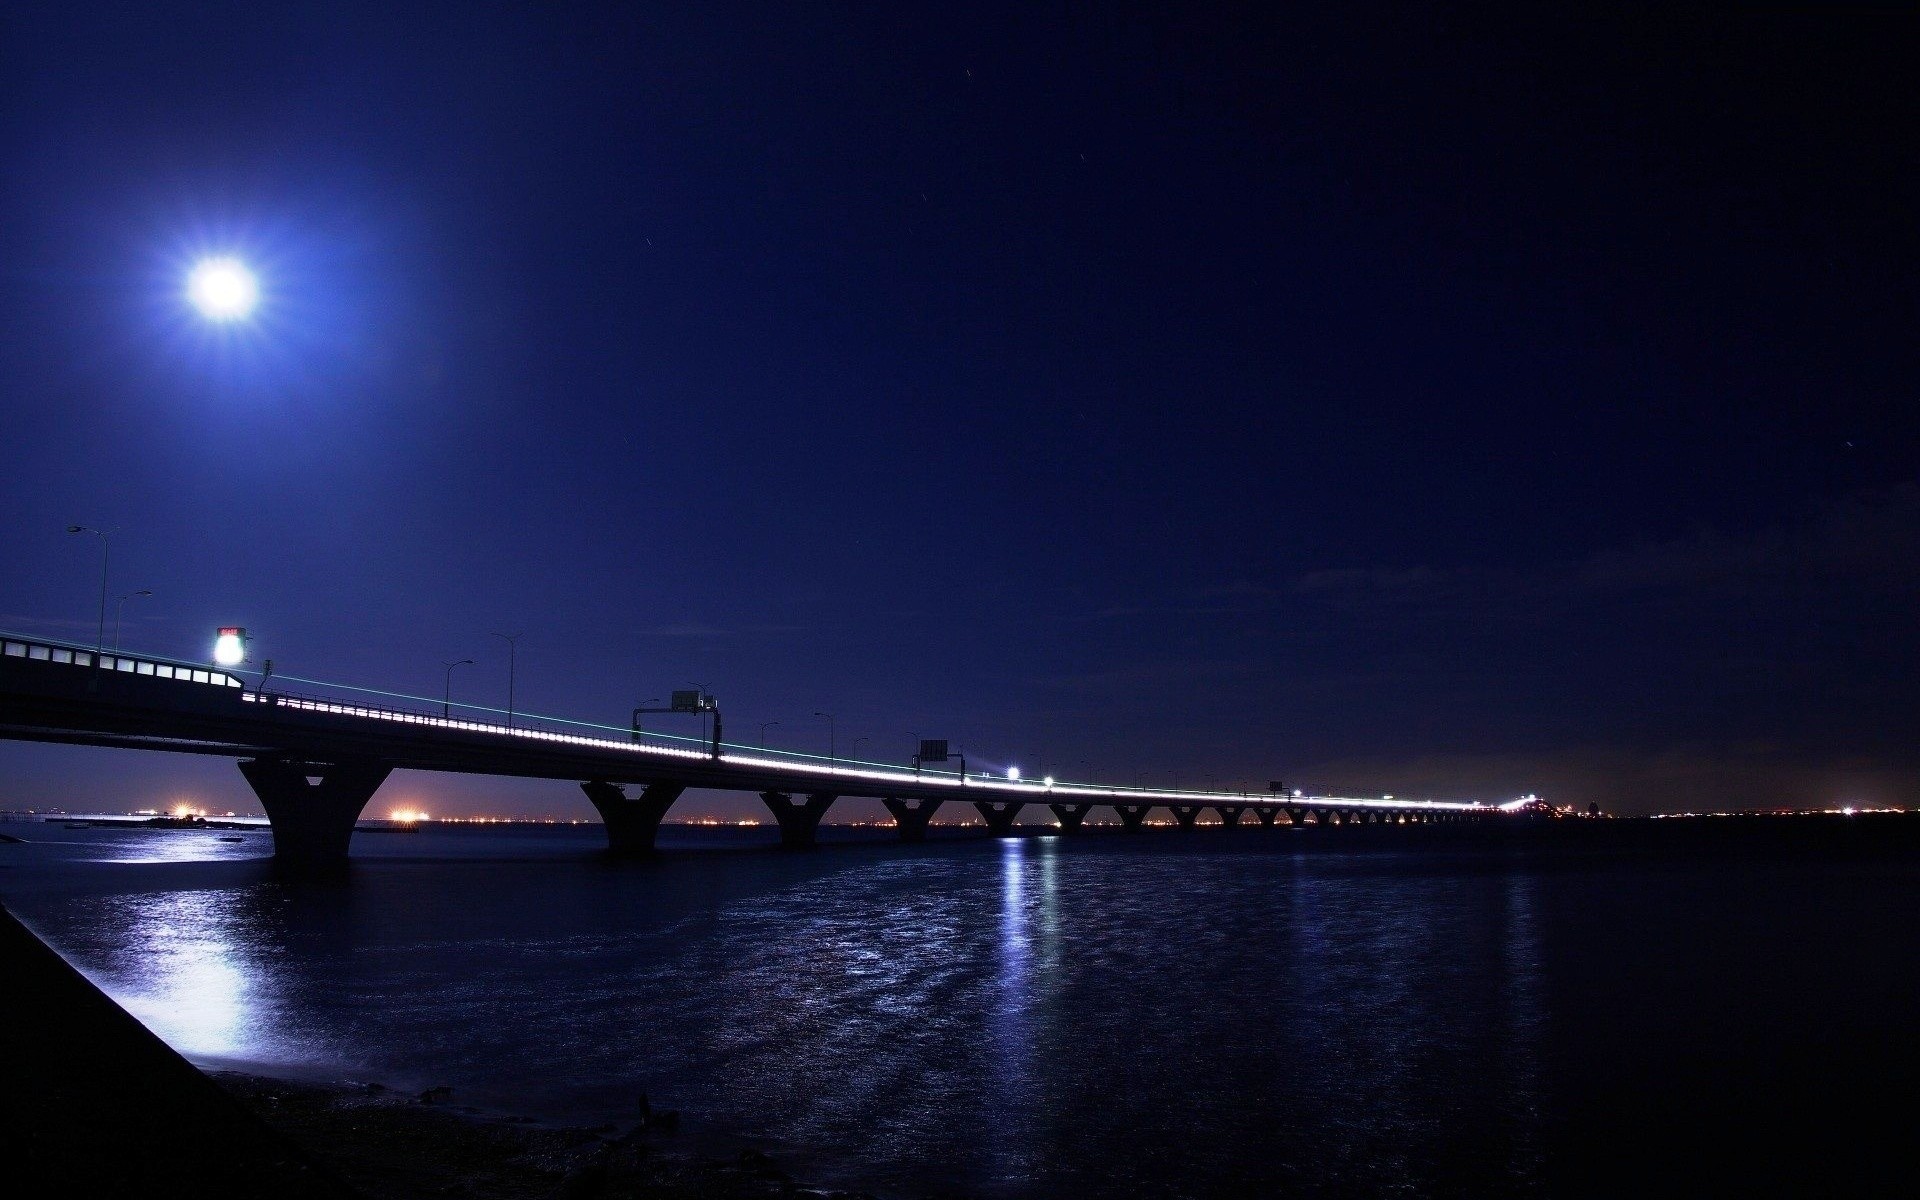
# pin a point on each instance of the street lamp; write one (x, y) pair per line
(832, 756)
(446, 702)
(856, 747)
(106, 545)
(1088, 764)
(764, 726)
(121, 608)
(513, 648)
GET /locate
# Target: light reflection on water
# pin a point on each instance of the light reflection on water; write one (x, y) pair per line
(1008, 1018)
(182, 975)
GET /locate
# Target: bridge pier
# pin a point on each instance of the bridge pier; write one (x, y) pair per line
(911, 818)
(312, 807)
(1133, 816)
(1230, 813)
(1267, 814)
(1000, 815)
(1186, 814)
(1070, 816)
(1296, 817)
(798, 821)
(631, 821)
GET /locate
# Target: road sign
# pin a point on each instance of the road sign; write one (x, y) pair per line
(933, 750)
(687, 702)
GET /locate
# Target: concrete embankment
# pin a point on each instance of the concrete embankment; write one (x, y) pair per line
(95, 1105)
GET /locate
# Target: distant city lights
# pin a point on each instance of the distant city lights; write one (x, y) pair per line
(222, 289)
(409, 816)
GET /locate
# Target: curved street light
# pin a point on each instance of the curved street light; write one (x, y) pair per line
(764, 726)
(832, 756)
(106, 546)
(446, 701)
(120, 609)
(513, 650)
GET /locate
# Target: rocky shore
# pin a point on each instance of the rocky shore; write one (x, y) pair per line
(388, 1146)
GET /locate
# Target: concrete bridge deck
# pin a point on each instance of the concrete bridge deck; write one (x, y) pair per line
(315, 762)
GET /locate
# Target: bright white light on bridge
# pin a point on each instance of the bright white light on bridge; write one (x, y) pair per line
(1013, 773)
(1049, 781)
(222, 289)
(230, 646)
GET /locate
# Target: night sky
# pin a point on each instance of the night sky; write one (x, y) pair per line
(1383, 401)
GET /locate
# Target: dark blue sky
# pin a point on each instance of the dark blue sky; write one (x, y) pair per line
(1385, 401)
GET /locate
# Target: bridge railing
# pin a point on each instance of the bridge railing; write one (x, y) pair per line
(40, 650)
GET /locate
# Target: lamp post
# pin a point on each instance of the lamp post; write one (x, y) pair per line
(856, 747)
(513, 649)
(446, 702)
(1088, 764)
(706, 706)
(832, 755)
(106, 546)
(120, 608)
(764, 726)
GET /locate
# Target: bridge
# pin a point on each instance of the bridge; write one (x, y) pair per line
(315, 762)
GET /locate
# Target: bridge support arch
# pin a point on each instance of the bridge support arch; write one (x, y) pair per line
(1186, 814)
(1070, 816)
(798, 821)
(313, 807)
(911, 817)
(1230, 813)
(631, 821)
(1133, 816)
(1267, 814)
(1000, 815)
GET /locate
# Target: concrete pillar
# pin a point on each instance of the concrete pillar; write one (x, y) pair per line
(1070, 816)
(1296, 817)
(1326, 816)
(798, 821)
(1268, 814)
(1185, 814)
(911, 818)
(631, 821)
(1132, 816)
(1230, 813)
(1000, 815)
(312, 807)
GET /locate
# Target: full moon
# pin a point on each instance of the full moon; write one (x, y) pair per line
(222, 289)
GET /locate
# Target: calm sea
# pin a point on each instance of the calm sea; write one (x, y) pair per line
(1608, 1009)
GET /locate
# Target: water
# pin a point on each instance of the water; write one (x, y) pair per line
(1208, 1014)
